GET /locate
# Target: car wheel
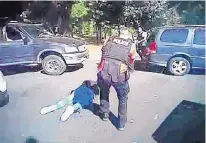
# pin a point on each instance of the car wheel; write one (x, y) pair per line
(53, 65)
(5, 101)
(179, 66)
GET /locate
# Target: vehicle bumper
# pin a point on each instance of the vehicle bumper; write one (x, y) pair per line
(4, 97)
(77, 58)
(159, 59)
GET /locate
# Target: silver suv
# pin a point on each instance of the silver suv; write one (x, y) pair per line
(27, 44)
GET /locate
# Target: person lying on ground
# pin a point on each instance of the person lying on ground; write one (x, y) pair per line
(81, 97)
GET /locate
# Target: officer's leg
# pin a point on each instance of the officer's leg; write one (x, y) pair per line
(104, 99)
(122, 90)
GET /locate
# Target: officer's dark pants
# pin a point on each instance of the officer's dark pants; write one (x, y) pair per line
(139, 50)
(122, 89)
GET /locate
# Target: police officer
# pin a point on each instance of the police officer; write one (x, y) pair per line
(141, 41)
(116, 65)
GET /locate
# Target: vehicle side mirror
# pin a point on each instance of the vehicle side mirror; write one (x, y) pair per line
(25, 40)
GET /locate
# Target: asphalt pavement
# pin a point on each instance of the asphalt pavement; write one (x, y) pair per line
(153, 96)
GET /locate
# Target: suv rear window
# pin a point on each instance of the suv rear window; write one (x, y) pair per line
(174, 35)
(199, 37)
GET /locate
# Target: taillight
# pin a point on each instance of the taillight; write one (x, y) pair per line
(153, 47)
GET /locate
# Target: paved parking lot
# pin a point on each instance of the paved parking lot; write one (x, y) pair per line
(153, 96)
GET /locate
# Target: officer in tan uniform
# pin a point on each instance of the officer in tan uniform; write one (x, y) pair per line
(116, 65)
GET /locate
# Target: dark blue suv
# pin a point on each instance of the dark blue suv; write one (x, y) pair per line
(179, 49)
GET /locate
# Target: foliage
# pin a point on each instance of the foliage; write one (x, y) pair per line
(166, 16)
(97, 11)
(192, 12)
(110, 30)
(78, 14)
(142, 12)
(105, 17)
(132, 30)
(88, 28)
(79, 10)
(56, 13)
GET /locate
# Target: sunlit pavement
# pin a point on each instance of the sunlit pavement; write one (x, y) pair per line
(153, 96)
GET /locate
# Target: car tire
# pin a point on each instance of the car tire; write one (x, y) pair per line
(4, 102)
(53, 65)
(179, 66)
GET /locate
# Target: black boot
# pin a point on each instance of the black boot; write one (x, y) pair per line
(104, 116)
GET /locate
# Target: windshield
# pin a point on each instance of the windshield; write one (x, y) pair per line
(37, 31)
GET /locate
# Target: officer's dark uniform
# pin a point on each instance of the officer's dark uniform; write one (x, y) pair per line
(139, 38)
(114, 53)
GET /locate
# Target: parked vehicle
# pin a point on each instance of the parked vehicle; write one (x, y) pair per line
(4, 97)
(27, 44)
(179, 49)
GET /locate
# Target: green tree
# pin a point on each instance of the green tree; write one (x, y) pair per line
(142, 12)
(96, 14)
(78, 14)
(64, 9)
(166, 16)
(106, 14)
(192, 12)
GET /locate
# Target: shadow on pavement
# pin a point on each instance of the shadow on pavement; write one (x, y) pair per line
(95, 109)
(185, 124)
(18, 69)
(197, 72)
(70, 68)
(143, 66)
(74, 68)
(112, 117)
(31, 140)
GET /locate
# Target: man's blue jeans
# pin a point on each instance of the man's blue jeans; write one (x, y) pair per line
(122, 89)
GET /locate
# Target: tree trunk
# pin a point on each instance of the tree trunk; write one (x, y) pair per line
(97, 34)
(69, 10)
(118, 27)
(105, 35)
(64, 11)
(52, 16)
(100, 33)
(65, 27)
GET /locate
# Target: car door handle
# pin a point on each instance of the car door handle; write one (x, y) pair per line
(174, 45)
(169, 45)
